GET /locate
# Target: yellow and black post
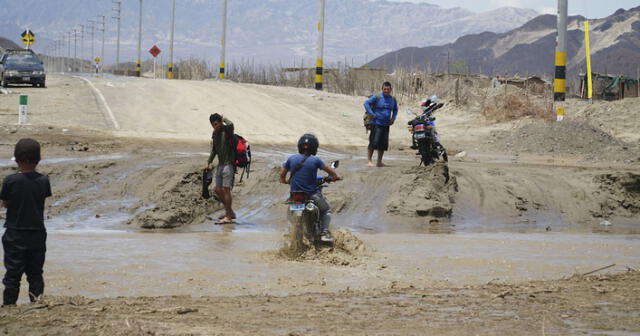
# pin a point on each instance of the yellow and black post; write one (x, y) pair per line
(320, 47)
(223, 41)
(139, 41)
(173, 21)
(560, 78)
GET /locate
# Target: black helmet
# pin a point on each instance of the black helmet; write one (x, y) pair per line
(310, 142)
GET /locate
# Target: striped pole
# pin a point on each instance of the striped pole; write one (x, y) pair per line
(22, 110)
(588, 57)
(173, 21)
(223, 42)
(320, 47)
(139, 42)
(560, 81)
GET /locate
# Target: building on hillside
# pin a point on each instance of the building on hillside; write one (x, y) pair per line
(533, 84)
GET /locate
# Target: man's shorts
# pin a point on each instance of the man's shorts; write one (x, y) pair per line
(224, 176)
(379, 137)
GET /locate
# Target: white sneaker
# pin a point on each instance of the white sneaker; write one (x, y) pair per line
(326, 237)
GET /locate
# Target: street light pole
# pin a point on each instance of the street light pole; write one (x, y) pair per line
(81, 48)
(173, 21)
(69, 63)
(118, 11)
(320, 47)
(223, 41)
(93, 31)
(102, 29)
(75, 46)
(559, 83)
(139, 42)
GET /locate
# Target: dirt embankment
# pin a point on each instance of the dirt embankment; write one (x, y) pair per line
(176, 198)
(590, 305)
(570, 137)
(425, 192)
(619, 194)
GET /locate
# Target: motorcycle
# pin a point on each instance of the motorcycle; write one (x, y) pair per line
(304, 216)
(424, 136)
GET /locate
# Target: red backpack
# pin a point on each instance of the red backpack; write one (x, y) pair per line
(243, 154)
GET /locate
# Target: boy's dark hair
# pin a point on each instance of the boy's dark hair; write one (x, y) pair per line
(387, 83)
(215, 117)
(27, 151)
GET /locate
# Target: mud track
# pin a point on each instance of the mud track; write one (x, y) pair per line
(579, 305)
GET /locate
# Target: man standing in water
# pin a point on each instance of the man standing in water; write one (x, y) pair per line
(383, 110)
(223, 145)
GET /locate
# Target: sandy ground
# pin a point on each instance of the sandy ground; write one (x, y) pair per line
(473, 246)
(580, 305)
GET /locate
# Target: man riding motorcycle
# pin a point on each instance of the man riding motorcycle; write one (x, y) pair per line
(304, 168)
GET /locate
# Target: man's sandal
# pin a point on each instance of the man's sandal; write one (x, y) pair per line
(225, 220)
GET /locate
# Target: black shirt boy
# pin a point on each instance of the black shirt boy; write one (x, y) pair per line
(25, 194)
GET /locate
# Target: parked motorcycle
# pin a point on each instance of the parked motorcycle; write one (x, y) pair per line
(304, 216)
(424, 136)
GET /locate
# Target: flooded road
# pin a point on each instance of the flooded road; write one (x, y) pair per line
(241, 262)
(94, 250)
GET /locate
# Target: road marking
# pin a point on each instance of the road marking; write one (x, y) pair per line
(110, 114)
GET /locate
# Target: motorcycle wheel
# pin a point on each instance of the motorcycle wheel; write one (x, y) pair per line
(425, 153)
(310, 226)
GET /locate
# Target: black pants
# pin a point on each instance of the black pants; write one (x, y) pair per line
(379, 137)
(24, 252)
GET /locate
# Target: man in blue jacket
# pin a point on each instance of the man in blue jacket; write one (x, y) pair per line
(383, 110)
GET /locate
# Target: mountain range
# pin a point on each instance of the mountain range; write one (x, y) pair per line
(261, 31)
(530, 49)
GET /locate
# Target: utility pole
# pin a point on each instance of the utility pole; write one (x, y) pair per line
(69, 64)
(102, 29)
(61, 55)
(320, 47)
(223, 41)
(173, 21)
(93, 32)
(117, 10)
(560, 78)
(139, 42)
(81, 48)
(58, 45)
(75, 46)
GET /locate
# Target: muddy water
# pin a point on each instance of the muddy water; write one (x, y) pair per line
(92, 252)
(237, 263)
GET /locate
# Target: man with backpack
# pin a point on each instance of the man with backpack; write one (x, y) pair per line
(382, 110)
(224, 146)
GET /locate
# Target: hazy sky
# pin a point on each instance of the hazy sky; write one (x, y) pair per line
(588, 8)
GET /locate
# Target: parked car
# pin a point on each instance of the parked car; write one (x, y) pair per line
(21, 67)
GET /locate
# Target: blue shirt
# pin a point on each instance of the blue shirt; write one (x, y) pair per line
(385, 109)
(304, 178)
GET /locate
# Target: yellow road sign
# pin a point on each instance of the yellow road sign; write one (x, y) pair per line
(97, 60)
(28, 38)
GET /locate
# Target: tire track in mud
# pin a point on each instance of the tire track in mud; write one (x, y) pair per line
(369, 191)
(463, 176)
